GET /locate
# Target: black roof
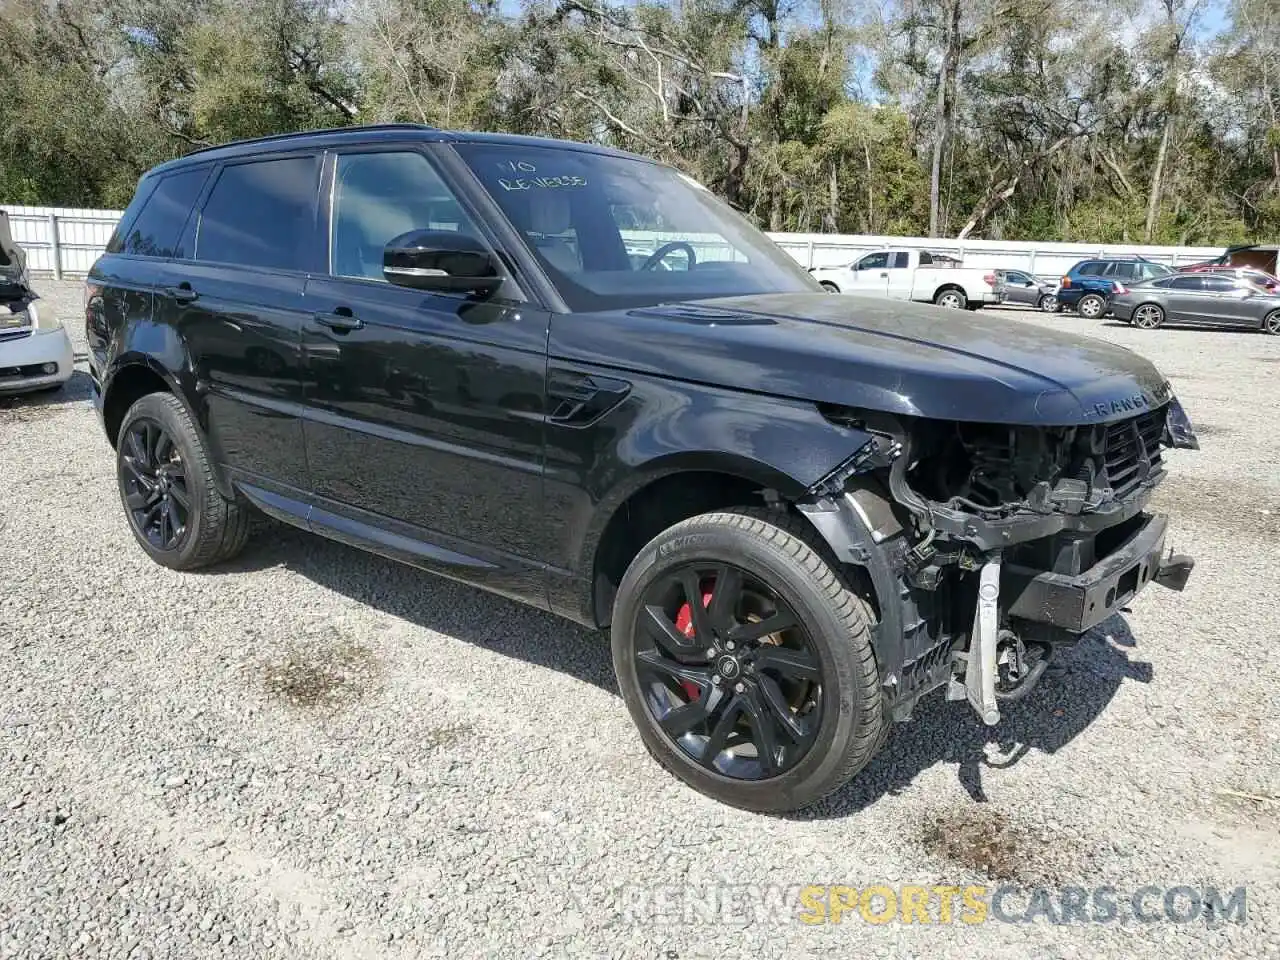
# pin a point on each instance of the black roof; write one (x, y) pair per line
(377, 133)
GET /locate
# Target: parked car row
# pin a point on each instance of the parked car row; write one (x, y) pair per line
(1148, 294)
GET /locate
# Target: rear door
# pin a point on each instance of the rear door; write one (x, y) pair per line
(900, 275)
(234, 291)
(1186, 298)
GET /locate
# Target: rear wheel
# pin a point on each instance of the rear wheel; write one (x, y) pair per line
(951, 298)
(830, 287)
(166, 484)
(745, 659)
(1092, 306)
(1048, 303)
(1271, 324)
(1148, 316)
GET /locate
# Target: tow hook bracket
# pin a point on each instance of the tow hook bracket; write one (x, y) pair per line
(980, 662)
(1174, 571)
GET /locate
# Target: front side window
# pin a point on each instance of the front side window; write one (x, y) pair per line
(1151, 270)
(1219, 284)
(379, 196)
(877, 261)
(261, 214)
(614, 232)
(155, 230)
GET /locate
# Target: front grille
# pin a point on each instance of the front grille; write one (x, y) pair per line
(1132, 451)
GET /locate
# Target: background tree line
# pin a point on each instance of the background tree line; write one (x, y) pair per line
(1100, 120)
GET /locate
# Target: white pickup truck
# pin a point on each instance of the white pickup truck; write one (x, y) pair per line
(914, 275)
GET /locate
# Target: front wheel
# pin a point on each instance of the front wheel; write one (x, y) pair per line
(1148, 316)
(830, 287)
(1271, 324)
(951, 298)
(1091, 306)
(745, 659)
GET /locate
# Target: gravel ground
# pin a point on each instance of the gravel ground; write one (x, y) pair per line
(316, 753)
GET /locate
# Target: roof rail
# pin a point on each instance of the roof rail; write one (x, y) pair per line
(277, 137)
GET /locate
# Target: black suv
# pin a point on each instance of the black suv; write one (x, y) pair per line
(573, 377)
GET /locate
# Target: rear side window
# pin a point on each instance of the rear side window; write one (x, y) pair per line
(1092, 268)
(261, 214)
(925, 258)
(155, 230)
(1184, 283)
(901, 260)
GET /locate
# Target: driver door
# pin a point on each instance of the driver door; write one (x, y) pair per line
(871, 274)
(418, 399)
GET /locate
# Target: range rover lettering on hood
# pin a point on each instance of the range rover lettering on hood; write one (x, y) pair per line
(1134, 403)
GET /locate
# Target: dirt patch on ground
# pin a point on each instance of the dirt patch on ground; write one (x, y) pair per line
(442, 738)
(1240, 508)
(323, 678)
(986, 841)
(1212, 430)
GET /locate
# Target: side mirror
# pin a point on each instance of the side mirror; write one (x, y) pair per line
(440, 260)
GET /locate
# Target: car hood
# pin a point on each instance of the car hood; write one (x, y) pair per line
(12, 262)
(874, 354)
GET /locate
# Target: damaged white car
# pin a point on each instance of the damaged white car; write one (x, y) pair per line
(35, 352)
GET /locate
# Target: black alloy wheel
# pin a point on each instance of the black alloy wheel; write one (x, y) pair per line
(728, 671)
(155, 484)
(167, 486)
(745, 659)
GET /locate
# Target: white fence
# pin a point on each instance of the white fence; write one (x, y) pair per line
(63, 241)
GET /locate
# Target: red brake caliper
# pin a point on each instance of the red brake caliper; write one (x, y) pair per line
(684, 623)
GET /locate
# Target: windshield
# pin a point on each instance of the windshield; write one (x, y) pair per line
(616, 233)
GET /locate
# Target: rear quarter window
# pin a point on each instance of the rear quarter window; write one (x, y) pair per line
(162, 212)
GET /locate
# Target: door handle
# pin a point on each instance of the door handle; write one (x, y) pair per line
(885, 276)
(182, 293)
(339, 321)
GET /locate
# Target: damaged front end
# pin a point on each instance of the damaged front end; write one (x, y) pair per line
(990, 545)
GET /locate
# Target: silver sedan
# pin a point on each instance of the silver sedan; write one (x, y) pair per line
(1198, 298)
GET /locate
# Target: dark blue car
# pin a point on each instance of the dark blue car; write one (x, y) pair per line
(1089, 285)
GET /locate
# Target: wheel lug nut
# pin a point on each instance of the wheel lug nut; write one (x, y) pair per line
(730, 645)
(716, 680)
(739, 688)
(711, 652)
